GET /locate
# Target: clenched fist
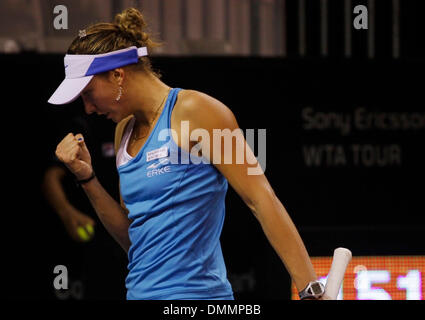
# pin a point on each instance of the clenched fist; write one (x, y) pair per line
(73, 152)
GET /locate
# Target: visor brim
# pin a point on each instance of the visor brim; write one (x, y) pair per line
(69, 90)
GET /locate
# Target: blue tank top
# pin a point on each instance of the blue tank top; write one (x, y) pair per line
(177, 205)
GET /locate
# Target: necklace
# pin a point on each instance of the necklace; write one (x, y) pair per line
(135, 138)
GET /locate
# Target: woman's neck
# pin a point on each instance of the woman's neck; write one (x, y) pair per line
(149, 95)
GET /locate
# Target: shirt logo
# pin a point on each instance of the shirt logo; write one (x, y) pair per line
(157, 164)
(153, 169)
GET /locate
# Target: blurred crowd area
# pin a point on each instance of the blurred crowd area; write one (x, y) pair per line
(280, 28)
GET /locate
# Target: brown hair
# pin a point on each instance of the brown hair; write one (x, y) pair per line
(127, 30)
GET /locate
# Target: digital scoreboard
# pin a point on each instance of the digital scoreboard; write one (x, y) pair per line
(377, 277)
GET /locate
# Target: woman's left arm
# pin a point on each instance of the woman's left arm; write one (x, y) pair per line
(207, 113)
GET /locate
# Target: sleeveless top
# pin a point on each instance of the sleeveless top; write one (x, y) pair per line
(176, 202)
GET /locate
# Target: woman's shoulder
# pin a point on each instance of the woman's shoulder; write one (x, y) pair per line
(196, 105)
(191, 98)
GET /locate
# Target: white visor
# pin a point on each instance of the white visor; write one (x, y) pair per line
(80, 69)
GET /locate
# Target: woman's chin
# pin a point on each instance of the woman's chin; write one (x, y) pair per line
(113, 118)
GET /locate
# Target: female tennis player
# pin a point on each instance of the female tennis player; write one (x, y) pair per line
(171, 212)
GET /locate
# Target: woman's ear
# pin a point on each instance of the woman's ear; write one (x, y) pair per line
(117, 76)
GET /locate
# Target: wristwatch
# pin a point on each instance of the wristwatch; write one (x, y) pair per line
(314, 289)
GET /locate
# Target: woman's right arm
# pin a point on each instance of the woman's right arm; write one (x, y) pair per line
(73, 152)
(112, 215)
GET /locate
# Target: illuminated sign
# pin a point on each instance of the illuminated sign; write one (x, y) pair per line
(377, 278)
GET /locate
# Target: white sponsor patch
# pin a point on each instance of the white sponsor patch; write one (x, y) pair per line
(157, 154)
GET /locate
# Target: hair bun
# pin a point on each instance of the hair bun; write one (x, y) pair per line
(131, 22)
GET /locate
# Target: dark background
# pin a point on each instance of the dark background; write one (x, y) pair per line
(371, 210)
